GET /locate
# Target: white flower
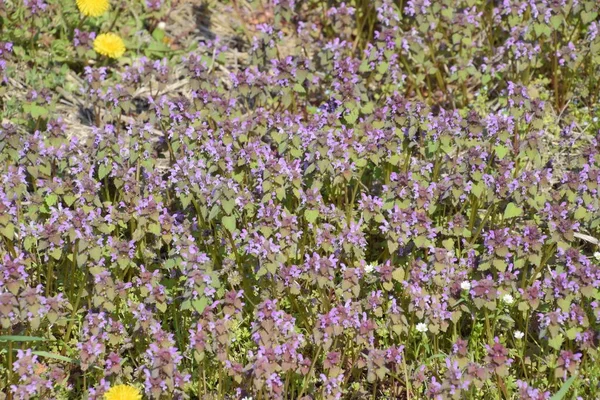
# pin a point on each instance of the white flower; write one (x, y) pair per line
(465, 285)
(597, 255)
(508, 299)
(519, 335)
(162, 25)
(369, 268)
(422, 327)
(247, 398)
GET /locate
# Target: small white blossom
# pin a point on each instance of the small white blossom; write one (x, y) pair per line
(162, 25)
(508, 299)
(597, 255)
(519, 335)
(422, 327)
(465, 285)
(369, 268)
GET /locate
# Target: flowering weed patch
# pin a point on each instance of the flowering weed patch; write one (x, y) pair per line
(373, 199)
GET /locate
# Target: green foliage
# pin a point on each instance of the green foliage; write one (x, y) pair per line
(336, 202)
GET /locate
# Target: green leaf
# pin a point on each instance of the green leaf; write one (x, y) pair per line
(542, 29)
(392, 246)
(155, 229)
(448, 244)
(477, 189)
(352, 116)
(361, 162)
(572, 333)
(35, 110)
(214, 211)
(200, 304)
(157, 47)
(106, 228)
(563, 389)
(158, 34)
(228, 206)
(162, 307)
(56, 253)
(69, 199)
(311, 215)
(8, 231)
(185, 305)
(499, 264)
(286, 99)
(271, 267)
(398, 274)
(556, 21)
(298, 88)
(29, 242)
(580, 213)
(103, 170)
(440, 355)
(280, 191)
(421, 241)
(18, 338)
(383, 67)
(556, 342)
(229, 223)
(364, 66)
(501, 151)
(512, 211)
(51, 199)
(588, 16)
(368, 108)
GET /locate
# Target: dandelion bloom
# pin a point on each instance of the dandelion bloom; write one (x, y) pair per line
(93, 8)
(123, 392)
(109, 45)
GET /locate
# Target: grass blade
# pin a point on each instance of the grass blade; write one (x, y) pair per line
(564, 389)
(54, 356)
(19, 338)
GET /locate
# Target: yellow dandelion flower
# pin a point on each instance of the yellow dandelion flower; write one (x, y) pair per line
(123, 392)
(109, 45)
(93, 8)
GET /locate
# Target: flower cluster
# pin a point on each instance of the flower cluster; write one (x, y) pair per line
(374, 203)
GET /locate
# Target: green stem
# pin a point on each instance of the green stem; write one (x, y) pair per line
(72, 320)
(112, 25)
(9, 367)
(487, 215)
(543, 262)
(310, 371)
(488, 329)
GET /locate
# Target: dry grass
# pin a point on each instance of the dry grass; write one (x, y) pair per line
(188, 22)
